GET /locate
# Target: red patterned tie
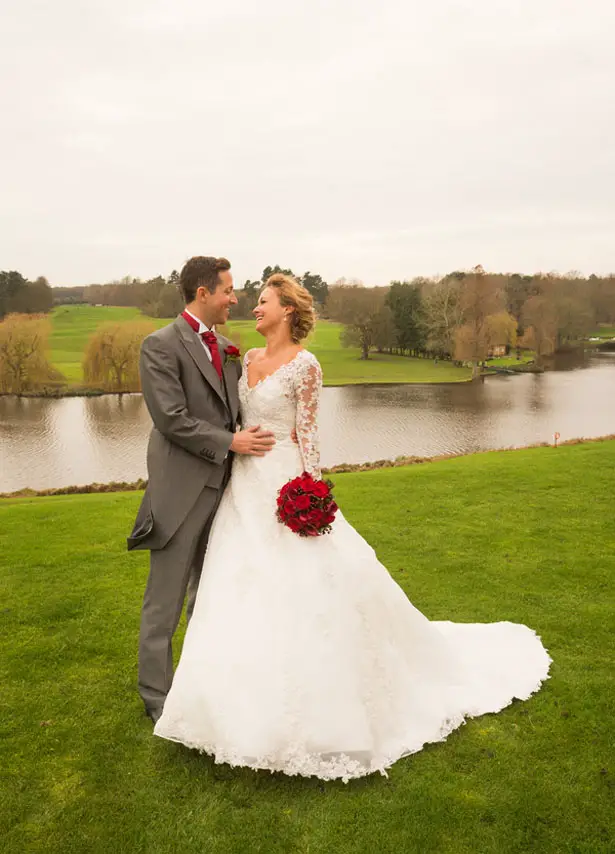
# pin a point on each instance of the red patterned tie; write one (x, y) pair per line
(212, 342)
(209, 338)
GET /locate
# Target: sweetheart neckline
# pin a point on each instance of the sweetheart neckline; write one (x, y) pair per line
(272, 374)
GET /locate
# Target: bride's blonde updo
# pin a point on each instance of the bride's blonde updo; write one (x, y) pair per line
(291, 293)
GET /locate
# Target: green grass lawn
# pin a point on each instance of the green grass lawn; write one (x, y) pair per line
(603, 332)
(509, 535)
(510, 360)
(72, 326)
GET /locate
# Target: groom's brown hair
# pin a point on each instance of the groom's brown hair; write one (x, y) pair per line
(201, 272)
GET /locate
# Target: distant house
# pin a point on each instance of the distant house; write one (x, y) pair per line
(498, 350)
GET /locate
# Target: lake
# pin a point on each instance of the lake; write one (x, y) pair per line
(46, 443)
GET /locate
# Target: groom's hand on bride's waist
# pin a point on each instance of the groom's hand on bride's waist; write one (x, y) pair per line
(253, 441)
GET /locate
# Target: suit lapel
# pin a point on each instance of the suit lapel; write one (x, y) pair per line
(192, 344)
(230, 378)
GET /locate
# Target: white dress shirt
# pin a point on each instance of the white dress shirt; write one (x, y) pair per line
(202, 328)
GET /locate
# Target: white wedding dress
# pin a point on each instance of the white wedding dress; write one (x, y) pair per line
(303, 655)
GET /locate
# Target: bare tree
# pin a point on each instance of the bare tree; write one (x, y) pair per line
(540, 318)
(111, 358)
(442, 312)
(576, 314)
(485, 321)
(602, 295)
(23, 361)
(361, 311)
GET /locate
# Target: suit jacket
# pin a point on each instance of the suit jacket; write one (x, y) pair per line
(193, 425)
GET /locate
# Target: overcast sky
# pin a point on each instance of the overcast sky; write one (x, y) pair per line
(375, 139)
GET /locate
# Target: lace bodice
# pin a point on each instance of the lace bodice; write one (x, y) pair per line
(285, 400)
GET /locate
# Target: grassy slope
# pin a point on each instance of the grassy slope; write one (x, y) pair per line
(604, 332)
(508, 361)
(72, 325)
(495, 536)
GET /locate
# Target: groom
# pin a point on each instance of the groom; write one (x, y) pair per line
(189, 377)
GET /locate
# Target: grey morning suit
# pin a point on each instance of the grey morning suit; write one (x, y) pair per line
(188, 464)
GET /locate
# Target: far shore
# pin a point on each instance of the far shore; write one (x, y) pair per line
(72, 326)
(489, 371)
(56, 394)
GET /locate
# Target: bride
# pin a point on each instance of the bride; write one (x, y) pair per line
(302, 654)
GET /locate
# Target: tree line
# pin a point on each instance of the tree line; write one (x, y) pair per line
(160, 296)
(111, 357)
(156, 297)
(20, 296)
(471, 315)
(467, 316)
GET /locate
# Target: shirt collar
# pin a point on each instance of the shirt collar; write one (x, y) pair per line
(202, 327)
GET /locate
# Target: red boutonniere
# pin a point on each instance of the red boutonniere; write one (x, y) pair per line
(232, 353)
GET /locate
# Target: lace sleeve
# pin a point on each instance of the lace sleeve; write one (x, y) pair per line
(309, 383)
(247, 358)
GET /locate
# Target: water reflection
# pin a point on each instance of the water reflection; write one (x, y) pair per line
(116, 416)
(47, 443)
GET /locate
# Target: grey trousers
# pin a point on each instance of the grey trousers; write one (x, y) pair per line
(174, 571)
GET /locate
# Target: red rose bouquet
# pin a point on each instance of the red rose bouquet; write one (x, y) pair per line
(306, 506)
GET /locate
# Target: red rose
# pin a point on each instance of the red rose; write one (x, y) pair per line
(290, 507)
(306, 482)
(321, 489)
(232, 352)
(302, 502)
